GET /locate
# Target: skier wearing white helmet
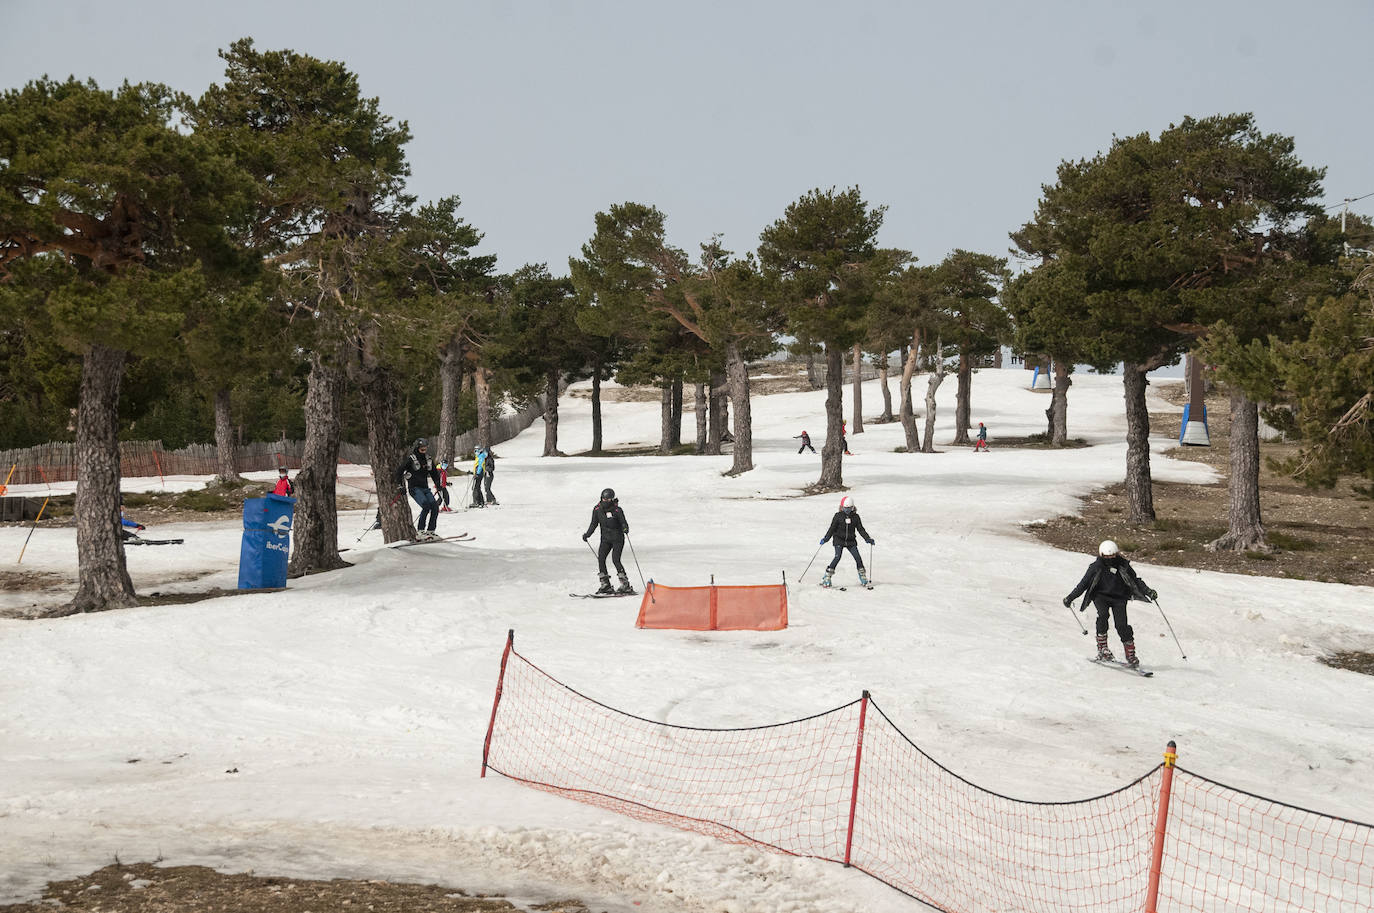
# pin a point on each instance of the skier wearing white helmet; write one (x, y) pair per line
(1108, 583)
(846, 529)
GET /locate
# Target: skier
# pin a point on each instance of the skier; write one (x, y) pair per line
(479, 468)
(844, 437)
(806, 442)
(1109, 582)
(614, 528)
(982, 442)
(125, 524)
(488, 473)
(414, 473)
(443, 486)
(846, 529)
(284, 485)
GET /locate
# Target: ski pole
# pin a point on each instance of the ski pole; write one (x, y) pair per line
(1171, 627)
(1074, 616)
(870, 561)
(809, 563)
(31, 529)
(636, 558)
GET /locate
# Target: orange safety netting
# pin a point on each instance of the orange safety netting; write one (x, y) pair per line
(714, 608)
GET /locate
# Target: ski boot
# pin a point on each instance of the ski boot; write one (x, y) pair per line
(428, 535)
(605, 589)
(1103, 652)
(625, 589)
(1131, 659)
(493, 502)
(825, 579)
(863, 578)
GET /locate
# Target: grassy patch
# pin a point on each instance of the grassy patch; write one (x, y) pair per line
(1290, 543)
(205, 501)
(1352, 660)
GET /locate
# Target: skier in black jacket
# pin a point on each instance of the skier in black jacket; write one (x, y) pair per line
(846, 529)
(1109, 582)
(614, 528)
(414, 473)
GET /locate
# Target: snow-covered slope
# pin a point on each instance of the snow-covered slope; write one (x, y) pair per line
(336, 728)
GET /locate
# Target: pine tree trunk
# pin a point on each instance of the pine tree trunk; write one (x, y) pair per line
(665, 418)
(937, 377)
(315, 529)
(1245, 526)
(224, 439)
(832, 453)
(886, 415)
(1139, 488)
(551, 413)
(906, 412)
(715, 431)
(856, 424)
(963, 407)
(450, 383)
(482, 381)
(813, 378)
(102, 576)
(699, 399)
(737, 373)
(675, 436)
(1059, 405)
(596, 406)
(385, 450)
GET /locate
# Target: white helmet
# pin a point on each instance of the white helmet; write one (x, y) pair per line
(1108, 548)
(846, 503)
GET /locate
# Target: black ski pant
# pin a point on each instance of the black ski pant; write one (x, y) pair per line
(805, 447)
(477, 492)
(1116, 607)
(612, 547)
(443, 495)
(429, 508)
(486, 483)
(839, 553)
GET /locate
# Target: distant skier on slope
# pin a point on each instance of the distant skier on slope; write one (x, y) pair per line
(982, 442)
(125, 524)
(479, 469)
(806, 442)
(284, 484)
(614, 528)
(443, 486)
(415, 473)
(1109, 582)
(846, 529)
(489, 473)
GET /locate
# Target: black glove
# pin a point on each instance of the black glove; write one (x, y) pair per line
(1068, 602)
(1153, 594)
(586, 536)
(870, 541)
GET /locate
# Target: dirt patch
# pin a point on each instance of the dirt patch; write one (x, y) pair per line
(147, 888)
(1317, 534)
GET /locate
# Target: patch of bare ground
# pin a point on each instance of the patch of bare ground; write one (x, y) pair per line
(1317, 534)
(146, 888)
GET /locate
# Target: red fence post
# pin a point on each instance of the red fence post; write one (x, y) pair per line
(1161, 822)
(854, 790)
(712, 604)
(496, 702)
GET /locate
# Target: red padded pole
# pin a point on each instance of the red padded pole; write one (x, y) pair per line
(1161, 823)
(854, 790)
(496, 701)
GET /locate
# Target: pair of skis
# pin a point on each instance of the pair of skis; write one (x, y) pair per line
(601, 595)
(407, 543)
(1124, 667)
(135, 540)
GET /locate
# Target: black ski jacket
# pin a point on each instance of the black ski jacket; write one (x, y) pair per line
(1114, 579)
(846, 529)
(415, 467)
(610, 518)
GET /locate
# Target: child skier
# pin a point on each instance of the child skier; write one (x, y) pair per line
(614, 528)
(846, 529)
(284, 484)
(1109, 582)
(982, 442)
(806, 442)
(443, 486)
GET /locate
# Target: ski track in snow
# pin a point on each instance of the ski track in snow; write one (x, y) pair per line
(353, 705)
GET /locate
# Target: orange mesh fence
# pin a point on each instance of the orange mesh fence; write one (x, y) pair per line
(714, 608)
(1229, 850)
(847, 786)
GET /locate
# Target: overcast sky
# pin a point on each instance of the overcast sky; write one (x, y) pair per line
(539, 114)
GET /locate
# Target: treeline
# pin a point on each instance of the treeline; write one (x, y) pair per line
(248, 264)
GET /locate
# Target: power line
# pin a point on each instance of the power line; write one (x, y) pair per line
(1349, 200)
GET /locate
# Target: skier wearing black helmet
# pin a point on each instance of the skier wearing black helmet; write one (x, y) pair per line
(414, 473)
(1108, 583)
(846, 529)
(614, 527)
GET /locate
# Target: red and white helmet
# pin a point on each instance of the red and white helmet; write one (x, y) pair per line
(846, 503)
